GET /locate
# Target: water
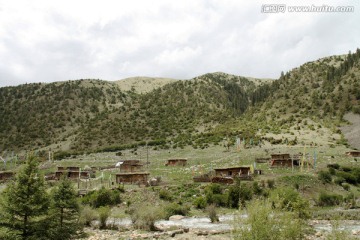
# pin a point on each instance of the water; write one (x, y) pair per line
(226, 223)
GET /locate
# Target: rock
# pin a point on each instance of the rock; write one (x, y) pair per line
(355, 232)
(178, 231)
(176, 217)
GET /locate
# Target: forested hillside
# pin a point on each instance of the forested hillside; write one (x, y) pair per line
(37, 115)
(94, 115)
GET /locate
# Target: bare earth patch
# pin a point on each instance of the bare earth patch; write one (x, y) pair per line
(351, 132)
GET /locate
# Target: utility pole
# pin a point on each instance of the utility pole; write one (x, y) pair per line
(147, 156)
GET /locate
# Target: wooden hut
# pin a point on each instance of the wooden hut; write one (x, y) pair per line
(353, 154)
(243, 172)
(131, 166)
(284, 160)
(176, 162)
(132, 178)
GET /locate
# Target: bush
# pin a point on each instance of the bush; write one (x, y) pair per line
(200, 202)
(256, 188)
(144, 217)
(176, 209)
(326, 199)
(211, 210)
(271, 183)
(348, 177)
(290, 200)
(325, 176)
(102, 197)
(346, 186)
(104, 213)
(165, 195)
(87, 215)
(339, 180)
(333, 166)
(267, 223)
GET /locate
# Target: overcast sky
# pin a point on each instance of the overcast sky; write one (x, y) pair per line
(46, 41)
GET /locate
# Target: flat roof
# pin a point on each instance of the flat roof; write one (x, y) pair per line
(230, 168)
(132, 173)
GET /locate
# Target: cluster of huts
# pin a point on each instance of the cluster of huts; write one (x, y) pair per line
(132, 172)
(227, 175)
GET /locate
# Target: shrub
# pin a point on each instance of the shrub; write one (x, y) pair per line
(144, 217)
(245, 193)
(332, 171)
(271, 183)
(176, 209)
(348, 177)
(256, 188)
(165, 195)
(87, 215)
(326, 199)
(346, 186)
(104, 213)
(102, 197)
(267, 223)
(325, 176)
(200, 202)
(211, 210)
(339, 180)
(333, 165)
(290, 200)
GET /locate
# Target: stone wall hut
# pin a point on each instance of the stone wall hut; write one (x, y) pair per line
(283, 160)
(132, 178)
(233, 172)
(131, 166)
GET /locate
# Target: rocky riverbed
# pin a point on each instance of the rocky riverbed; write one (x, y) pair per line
(179, 227)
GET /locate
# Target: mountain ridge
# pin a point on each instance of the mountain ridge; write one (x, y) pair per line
(90, 115)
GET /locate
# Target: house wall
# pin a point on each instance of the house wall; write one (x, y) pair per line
(131, 178)
(232, 172)
(281, 163)
(353, 154)
(176, 162)
(280, 156)
(130, 168)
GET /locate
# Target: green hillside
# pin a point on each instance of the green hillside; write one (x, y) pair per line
(175, 112)
(95, 115)
(37, 115)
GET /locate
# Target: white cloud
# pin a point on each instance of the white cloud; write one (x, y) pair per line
(58, 40)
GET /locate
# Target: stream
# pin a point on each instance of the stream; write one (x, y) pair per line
(226, 223)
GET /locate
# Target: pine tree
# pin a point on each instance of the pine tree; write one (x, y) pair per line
(64, 211)
(25, 204)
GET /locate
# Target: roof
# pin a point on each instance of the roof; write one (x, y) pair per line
(232, 168)
(132, 173)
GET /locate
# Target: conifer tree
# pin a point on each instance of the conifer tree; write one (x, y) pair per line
(64, 211)
(25, 204)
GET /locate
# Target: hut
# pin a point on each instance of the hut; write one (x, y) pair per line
(131, 166)
(353, 154)
(243, 172)
(132, 178)
(72, 173)
(284, 160)
(176, 162)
